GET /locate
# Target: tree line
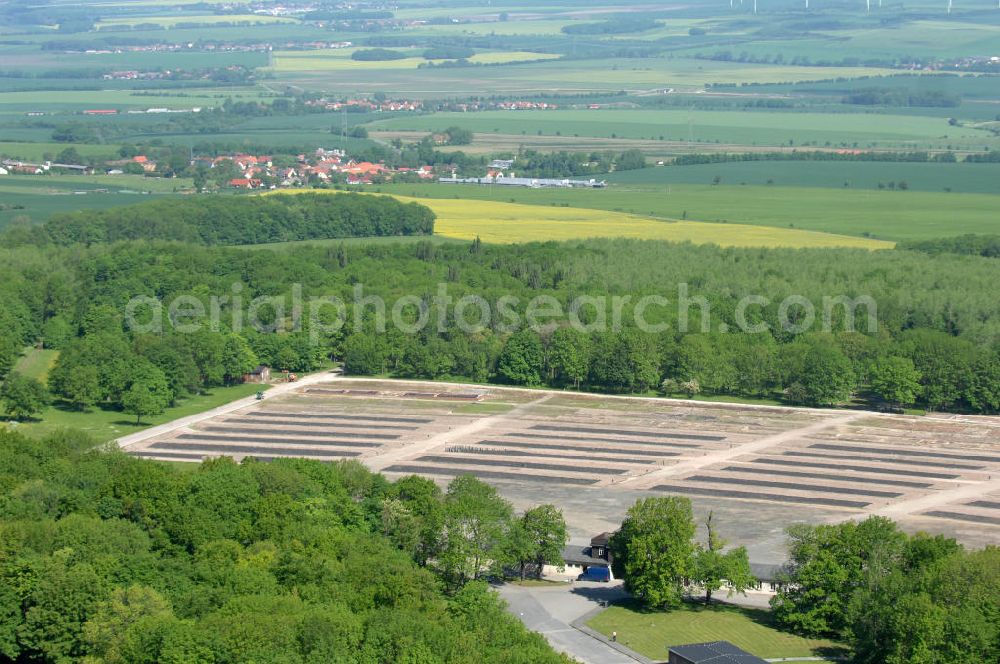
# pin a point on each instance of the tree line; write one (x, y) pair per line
(109, 559)
(935, 345)
(616, 26)
(987, 246)
(235, 220)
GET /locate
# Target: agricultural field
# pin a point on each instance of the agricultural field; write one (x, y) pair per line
(885, 215)
(768, 128)
(508, 223)
(168, 22)
(565, 76)
(36, 198)
(511, 223)
(956, 178)
(667, 88)
(340, 60)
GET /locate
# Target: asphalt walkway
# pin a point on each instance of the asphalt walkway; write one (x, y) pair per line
(551, 610)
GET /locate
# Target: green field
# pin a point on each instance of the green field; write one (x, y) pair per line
(78, 100)
(569, 76)
(208, 19)
(36, 363)
(887, 215)
(651, 633)
(958, 178)
(942, 38)
(104, 425)
(36, 152)
(340, 59)
(37, 197)
(730, 127)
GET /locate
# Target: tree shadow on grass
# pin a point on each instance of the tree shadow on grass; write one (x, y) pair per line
(762, 617)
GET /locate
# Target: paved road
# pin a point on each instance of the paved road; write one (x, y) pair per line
(549, 610)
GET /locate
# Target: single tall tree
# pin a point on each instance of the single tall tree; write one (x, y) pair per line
(477, 522)
(713, 567)
(538, 538)
(149, 394)
(653, 551)
(22, 397)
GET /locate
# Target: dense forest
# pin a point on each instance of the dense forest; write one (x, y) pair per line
(935, 344)
(109, 559)
(233, 220)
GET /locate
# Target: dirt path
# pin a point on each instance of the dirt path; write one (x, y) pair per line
(381, 461)
(721, 456)
(935, 499)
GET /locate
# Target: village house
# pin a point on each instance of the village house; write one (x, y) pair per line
(147, 165)
(24, 168)
(245, 183)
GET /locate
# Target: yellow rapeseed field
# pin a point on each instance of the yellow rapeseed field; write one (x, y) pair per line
(508, 223)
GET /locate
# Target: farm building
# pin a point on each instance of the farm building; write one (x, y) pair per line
(716, 652)
(261, 374)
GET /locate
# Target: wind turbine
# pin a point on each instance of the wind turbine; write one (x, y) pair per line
(949, 6)
(755, 7)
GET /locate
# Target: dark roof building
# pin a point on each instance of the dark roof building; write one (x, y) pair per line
(716, 652)
(580, 556)
(599, 546)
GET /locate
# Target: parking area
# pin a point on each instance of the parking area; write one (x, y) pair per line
(593, 455)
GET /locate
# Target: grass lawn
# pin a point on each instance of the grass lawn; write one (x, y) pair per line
(652, 632)
(104, 425)
(36, 363)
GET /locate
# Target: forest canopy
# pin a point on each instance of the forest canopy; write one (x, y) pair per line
(237, 220)
(108, 559)
(936, 344)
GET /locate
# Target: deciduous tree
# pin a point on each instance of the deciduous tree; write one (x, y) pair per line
(653, 551)
(22, 397)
